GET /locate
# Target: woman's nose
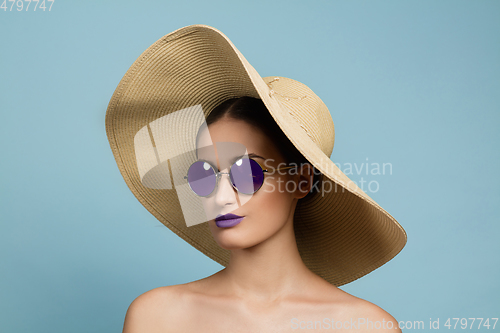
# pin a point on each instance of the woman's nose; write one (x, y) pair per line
(225, 193)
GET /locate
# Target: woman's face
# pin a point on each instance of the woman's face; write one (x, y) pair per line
(266, 211)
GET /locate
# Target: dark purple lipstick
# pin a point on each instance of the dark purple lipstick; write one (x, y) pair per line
(228, 220)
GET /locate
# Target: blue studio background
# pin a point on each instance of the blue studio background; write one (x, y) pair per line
(412, 83)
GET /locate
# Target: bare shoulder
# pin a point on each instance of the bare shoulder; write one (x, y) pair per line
(365, 316)
(155, 310)
(171, 308)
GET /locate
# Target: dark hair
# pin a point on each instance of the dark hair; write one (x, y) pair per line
(254, 112)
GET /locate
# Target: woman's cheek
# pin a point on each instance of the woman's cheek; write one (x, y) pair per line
(273, 210)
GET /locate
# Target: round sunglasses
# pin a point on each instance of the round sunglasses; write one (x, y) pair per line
(246, 175)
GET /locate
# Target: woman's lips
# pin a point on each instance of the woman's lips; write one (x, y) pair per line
(228, 220)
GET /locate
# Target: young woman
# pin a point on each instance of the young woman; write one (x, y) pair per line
(286, 223)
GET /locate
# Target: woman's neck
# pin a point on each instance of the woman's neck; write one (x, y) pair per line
(269, 271)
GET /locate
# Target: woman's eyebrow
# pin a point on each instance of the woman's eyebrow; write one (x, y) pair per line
(255, 156)
(250, 155)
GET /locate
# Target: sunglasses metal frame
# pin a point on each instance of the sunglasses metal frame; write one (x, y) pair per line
(218, 176)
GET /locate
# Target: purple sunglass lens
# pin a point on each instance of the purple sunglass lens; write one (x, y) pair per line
(201, 178)
(247, 175)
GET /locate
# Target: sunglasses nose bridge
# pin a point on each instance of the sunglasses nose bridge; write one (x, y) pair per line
(219, 177)
(224, 194)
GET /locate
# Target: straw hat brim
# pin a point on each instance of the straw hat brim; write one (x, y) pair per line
(341, 235)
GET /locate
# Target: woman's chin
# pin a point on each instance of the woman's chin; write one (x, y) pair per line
(229, 239)
(232, 243)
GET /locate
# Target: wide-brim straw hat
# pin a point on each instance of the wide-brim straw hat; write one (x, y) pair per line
(341, 235)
